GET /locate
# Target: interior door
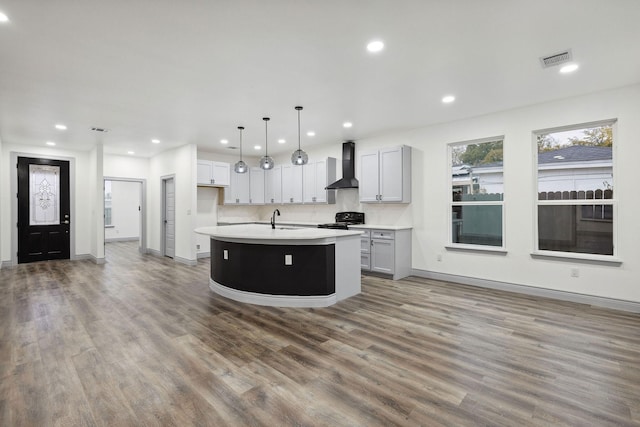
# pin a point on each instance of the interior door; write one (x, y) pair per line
(44, 214)
(169, 218)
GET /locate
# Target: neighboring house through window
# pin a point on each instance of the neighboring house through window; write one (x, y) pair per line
(575, 203)
(477, 193)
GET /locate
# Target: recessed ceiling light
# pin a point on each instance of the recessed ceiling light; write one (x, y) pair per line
(282, 141)
(375, 46)
(155, 141)
(448, 99)
(60, 126)
(224, 141)
(51, 143)
(3, 17)
(257, 147)
(570, 68)
(311, 133)
(131, 152)
(347, 124)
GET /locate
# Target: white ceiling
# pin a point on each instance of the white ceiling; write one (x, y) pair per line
(191, 71)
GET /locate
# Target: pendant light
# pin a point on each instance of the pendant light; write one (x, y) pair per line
(266, 162)
(299, 157)
(240, 166)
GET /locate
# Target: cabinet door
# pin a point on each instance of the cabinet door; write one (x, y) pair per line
(220, 173)
(383, 256)
(273, 186)
(205, 171)
(256, 186)
(369, 176)
(320, 181)
(291, 184)
(309, 182)
(391, 175)
(238, 190)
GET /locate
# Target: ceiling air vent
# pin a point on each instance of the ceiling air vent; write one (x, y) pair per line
(556, 59)
(99, 129)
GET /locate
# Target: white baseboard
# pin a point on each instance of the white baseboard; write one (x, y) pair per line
(189, 262)
(121, 239)
(154, 252)
(612, 303)
(90, 257)
(6, 264)
(204, 255)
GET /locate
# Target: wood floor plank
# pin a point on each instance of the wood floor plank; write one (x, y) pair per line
(141, 340)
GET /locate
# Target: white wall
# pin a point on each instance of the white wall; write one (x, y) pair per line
(125, 213)
(81, 212)
(3, 201)
(116, 166)
(431, 195)
(181, 163)
(96, 198)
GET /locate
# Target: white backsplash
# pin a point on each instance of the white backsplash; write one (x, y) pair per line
(346, 200)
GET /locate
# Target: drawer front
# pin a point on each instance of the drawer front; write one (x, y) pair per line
(365, 261)
(383, 234)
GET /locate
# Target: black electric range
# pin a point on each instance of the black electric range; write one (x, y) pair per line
(344, 220)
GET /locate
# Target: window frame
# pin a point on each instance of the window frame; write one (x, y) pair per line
(613, 202)
(502, 249)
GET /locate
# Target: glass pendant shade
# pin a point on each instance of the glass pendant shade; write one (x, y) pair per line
(266, 162)
(299, 157)
(240, 166)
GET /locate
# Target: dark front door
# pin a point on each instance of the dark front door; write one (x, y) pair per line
(43, 209)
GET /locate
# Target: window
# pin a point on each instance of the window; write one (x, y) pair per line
(575, 203)
(107, 204)
(477, 188)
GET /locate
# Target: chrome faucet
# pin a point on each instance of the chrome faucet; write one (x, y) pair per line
(273, 218)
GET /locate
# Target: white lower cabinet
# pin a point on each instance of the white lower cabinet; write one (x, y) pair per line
(386, 251)
(383, 253)
(365, 250)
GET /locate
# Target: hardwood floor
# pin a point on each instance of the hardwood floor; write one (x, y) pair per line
(142, 341)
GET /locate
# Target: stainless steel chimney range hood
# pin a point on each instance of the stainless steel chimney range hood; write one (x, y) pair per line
(348, 179)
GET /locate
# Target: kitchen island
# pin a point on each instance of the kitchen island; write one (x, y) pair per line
(285, 266)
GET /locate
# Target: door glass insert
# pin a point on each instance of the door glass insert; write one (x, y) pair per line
(44, 195)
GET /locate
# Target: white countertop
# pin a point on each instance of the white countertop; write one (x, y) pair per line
(285, 223)
(265, 232)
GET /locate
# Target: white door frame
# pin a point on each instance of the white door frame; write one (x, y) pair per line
(163, 198)
(14, 202)
(142, 244)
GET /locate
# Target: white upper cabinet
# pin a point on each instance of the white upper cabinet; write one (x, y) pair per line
(291, 184)
(316, 176)
(210, 173)
(385, 175)
(256, 186)
(238, 191)
(273, 186)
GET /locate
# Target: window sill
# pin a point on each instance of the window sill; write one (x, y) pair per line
(477, 248)
(605, 259)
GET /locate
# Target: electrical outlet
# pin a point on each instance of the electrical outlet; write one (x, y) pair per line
(197, 246)
(575, 272)
(288, 260)
(225, 254)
